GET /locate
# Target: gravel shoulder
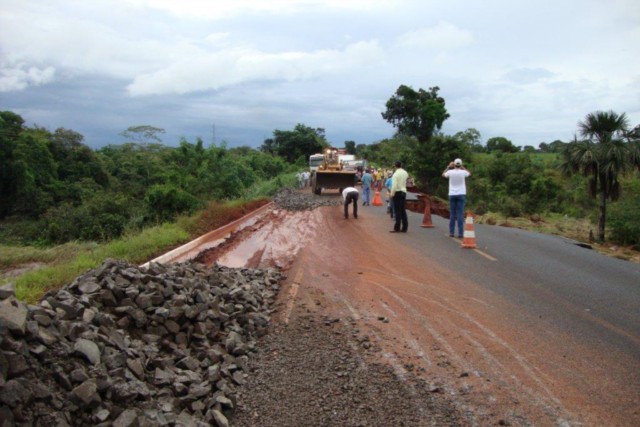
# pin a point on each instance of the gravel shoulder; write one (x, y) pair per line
(318, 370)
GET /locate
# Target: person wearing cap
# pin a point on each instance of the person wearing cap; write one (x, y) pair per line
(350, 194)
(457, 175)
(399, 196)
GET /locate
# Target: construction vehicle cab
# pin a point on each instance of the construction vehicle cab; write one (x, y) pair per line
(330, 174)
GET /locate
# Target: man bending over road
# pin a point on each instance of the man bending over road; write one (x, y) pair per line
(350, 194)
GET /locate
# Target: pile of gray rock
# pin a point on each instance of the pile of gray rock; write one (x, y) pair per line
(125, 346)
(293, 200)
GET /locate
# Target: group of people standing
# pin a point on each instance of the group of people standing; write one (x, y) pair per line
(373, 179)
(303, 179)
(396, 185)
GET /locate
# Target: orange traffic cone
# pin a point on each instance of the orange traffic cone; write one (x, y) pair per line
(426, 220)
(377, 200)
(469, 236)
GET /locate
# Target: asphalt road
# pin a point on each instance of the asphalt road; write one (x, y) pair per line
(527, 329)
(570, 314)
(576, 289)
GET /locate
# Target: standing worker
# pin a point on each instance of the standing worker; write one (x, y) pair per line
(367, 180)
(457, 175)
(350, 194)
(387, 185)
(399, 196)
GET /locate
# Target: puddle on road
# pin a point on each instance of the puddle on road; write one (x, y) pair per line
(273, 241)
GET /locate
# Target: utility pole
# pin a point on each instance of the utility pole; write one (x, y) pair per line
(213, 134)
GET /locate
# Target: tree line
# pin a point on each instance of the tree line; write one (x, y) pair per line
(68, 191)
(606, 155)
(54, 188)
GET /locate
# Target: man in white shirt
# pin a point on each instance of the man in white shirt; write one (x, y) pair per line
(457, 175)
(399, 197)
(350, 194)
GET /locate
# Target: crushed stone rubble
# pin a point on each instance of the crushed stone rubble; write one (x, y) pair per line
(125, 346)
(293, 200)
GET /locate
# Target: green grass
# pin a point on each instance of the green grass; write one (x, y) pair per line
(137, 249)
(548, 223)
(270, 187)
(581, 230)
(19, 255)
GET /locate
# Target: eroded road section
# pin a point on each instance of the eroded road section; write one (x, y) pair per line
(498, 367)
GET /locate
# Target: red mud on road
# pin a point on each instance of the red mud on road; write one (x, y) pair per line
(271, 241)
(425, 319)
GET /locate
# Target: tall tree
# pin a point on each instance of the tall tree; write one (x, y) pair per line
(143, 134)
(605, 154)
(35, 172)
(472, 138)
(428, 160)
(419, 114)
(74, 159)
(302, 141)
(11, 125)
(500, 143)
(350, 146)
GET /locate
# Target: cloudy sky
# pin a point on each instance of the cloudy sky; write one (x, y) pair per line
(236, 70)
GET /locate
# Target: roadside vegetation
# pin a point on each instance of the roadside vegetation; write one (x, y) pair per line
(65, 207)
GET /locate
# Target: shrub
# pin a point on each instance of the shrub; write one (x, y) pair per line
(98, 219)
(624, 221)
(481, 208)
(511, 208)
(165, 201)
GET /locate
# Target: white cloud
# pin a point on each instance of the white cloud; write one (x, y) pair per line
(212, 71)
(442, 36)
(20, 77)
(216, 38)
(528, 75)
(506, 68)
(220, 9)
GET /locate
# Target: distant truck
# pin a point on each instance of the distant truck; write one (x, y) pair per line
(328, 171)
(315, 160)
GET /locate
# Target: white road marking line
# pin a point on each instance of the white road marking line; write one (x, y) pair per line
(486, 255)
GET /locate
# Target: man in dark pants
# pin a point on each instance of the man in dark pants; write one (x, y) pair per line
(399, 196)
(350, 194)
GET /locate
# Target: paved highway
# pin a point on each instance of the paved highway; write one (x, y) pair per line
(578, 290)
(528, 329)
(567, 314)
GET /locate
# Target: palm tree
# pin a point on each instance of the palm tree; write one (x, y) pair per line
(607, 152)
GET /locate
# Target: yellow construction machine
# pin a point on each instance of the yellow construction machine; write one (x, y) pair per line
(331, 174)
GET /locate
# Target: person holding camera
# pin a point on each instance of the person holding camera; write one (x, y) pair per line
(457, 175)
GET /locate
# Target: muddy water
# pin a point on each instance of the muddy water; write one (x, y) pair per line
(272, 241)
